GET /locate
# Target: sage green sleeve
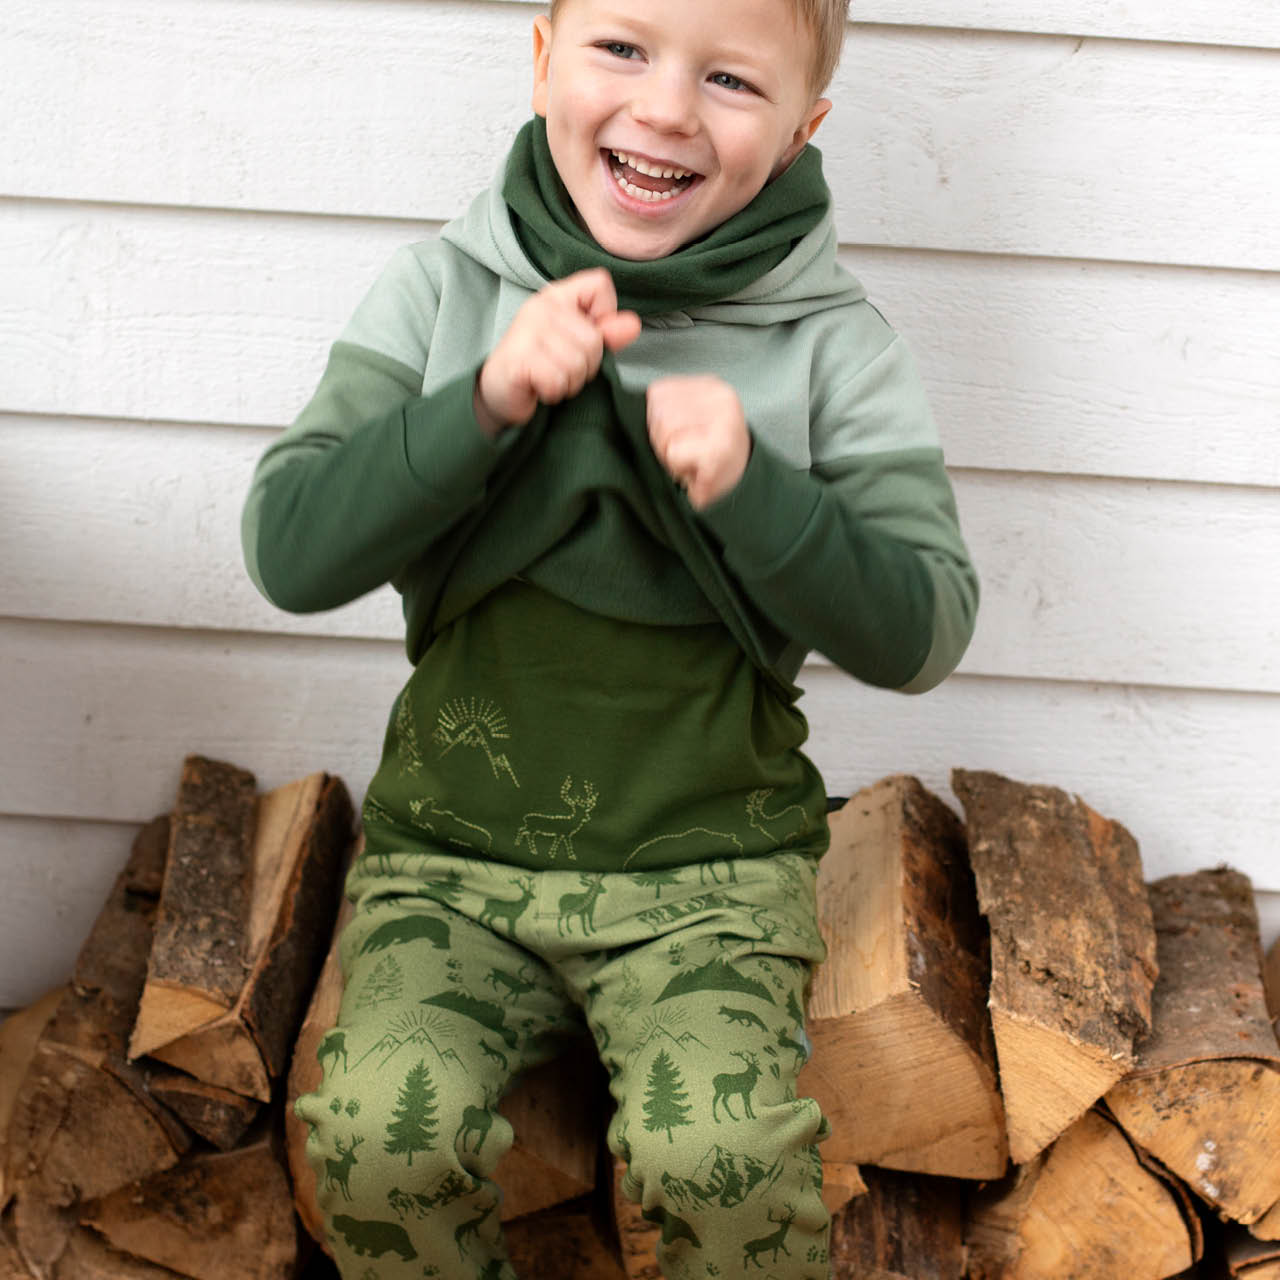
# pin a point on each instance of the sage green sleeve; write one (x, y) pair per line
(860, 559)
(370, 475)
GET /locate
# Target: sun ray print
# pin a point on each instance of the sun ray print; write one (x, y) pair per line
(474, 722)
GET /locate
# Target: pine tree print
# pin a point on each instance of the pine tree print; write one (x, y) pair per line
(414, 1127)
(664, 1103)
(385, 983)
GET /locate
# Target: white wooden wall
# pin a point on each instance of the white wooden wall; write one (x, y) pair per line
(1069, 206)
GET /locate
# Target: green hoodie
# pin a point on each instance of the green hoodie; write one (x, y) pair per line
(842, 533)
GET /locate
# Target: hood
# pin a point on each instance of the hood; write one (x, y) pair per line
(806, 281)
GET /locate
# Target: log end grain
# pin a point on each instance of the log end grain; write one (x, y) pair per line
(902, 1091)
(1049, 1080)
(220, 1216)
(1088, 1207)
(1215, 1124)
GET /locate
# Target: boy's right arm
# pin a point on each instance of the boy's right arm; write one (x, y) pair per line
(373, 472)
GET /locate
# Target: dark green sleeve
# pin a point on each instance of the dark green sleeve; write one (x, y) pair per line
(370, 475)
(861, 560)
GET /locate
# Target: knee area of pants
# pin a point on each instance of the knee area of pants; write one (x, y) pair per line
(460, 1133)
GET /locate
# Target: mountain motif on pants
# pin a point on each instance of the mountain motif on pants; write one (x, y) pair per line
(723, 1177)
(476, 723)
(558, 828)
(420, 1031)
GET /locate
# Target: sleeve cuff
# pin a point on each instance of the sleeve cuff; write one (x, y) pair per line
(445, 449)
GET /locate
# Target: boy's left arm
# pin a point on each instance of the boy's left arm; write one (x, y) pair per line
(861, 557)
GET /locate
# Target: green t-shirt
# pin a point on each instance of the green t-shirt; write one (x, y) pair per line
(541, 735)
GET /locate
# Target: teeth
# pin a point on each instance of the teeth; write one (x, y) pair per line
(651, 170)
(640, 193)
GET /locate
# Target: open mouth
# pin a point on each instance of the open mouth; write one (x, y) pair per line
(642, 179)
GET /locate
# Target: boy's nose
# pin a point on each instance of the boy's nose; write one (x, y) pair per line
(666, 104)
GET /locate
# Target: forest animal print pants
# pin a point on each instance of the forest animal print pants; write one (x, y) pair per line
(461, 973)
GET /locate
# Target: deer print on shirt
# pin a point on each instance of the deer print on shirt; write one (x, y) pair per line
(560, 828)
(778, 822)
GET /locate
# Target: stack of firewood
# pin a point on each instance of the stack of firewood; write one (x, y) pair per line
(140, 1108)
(1035, 1065)
(1076, 1087)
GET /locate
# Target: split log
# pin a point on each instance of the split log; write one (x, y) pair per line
(197, 963)
(1087, 1208)
(841, 1182)
(906, 1227)
(219, 1116)
(1267, 1227)
(216, 1216)
(1204, 1097)
(554, 1110)
(84, 1122)
(240, 1040)
(11, 1267)
(557, 1112)
(567, 1242)
(89, 1257)
(1072, 949)
(903, 1062)
(19, 1035)
(1249, 1258)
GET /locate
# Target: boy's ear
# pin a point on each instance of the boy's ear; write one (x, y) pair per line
(804, 131)
(541, 62)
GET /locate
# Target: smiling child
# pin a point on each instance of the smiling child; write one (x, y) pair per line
(629, 443)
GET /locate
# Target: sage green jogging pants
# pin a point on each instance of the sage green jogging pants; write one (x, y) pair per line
(462, 973)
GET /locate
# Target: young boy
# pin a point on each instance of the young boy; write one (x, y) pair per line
(630, 443)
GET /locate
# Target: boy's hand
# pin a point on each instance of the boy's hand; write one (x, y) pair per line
(699, 433)
(553, 348)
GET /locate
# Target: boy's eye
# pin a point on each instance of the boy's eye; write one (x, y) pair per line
(618, 49)
(726, 81)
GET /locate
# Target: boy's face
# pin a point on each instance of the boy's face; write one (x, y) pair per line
(715, 89)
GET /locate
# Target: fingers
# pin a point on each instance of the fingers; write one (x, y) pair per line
(620, 329)
(699, 433)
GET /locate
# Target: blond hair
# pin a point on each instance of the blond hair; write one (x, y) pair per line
(826, 20)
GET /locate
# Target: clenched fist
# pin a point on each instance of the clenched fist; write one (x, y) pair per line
(699, 433)
(552, 349)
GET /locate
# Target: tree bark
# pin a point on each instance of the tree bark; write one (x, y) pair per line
(303, 836)
(906, 1227)
(197, 964)
(1204, 1096)
(1072, 949)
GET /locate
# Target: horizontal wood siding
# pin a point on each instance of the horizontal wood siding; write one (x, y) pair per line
(976, 141)
(1067, 207)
